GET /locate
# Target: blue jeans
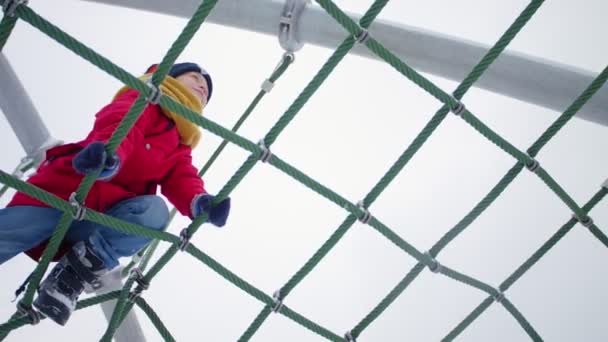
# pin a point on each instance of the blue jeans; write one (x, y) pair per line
(24, 227)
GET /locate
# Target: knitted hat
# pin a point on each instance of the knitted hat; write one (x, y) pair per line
(182, 68)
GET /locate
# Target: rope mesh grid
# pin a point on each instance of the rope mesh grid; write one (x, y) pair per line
(355, 33)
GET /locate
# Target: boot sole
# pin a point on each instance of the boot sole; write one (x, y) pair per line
(53, 309)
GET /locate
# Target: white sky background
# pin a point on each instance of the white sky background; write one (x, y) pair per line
(346, 137)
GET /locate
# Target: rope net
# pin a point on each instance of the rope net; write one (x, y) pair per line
(141, 277)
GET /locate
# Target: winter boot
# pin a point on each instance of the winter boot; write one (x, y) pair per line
(58, 293)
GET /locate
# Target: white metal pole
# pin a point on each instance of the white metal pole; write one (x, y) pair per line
(22, 115)
(526, 78)
(129, 330)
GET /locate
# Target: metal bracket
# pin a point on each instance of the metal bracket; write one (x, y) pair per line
(367, 216)
(460, 107)
(10, 6)
(586, 221)
(266, 153)
(32, 314)
(289, 35)
(267, 85)
(533, 165)
(363, 36)
(155, 94)
(24, 164)
(434, 266)
(184, 239)
(349, 337)
(142, 284)
(499, 296)
(80, 209)
(277, 301)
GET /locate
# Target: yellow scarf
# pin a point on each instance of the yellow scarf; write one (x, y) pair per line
(189, 133)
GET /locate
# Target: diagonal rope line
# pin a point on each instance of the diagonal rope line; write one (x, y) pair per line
(286, 61)
(477, 71)
(520, 271)
(178, 46)
(6, 28)
(487, 200)
(246, 167)
(436, 92)
(355, 211)
(21, 320)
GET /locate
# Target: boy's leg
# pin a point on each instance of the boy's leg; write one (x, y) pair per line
(96, 250)
(110, 244)
(24, 227)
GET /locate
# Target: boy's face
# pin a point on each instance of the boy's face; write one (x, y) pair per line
(196, 83)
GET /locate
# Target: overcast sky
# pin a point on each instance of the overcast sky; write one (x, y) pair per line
(346, 137)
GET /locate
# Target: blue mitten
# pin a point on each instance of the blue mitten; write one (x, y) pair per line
(217, 214)
(94, 158)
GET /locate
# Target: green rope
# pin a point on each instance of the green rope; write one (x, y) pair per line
(408, 154)
(487, 200)
(258, 294)
(468, 280)
(308, 91)
(123, 306)
(599, 234)
(183, 39)
(472, 316)
(19, 171)
(521, 320)
(116, 314)
(386, 55)
(286, 61)
(21, 320)
(520, 271)
(6, 28)
(29, 16)
(256, 324)
(156, 321)
(466, 115)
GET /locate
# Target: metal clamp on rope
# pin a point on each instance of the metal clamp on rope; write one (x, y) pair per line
(434, 265)
(23, 164)
(266, 154)
(532, 165)
(277, 301)
(79, 209)
(184, 239)
(267, 85)
(138, 276)
(367, 216)
(10, 6)
(499, 296)
(33, 315)
(155, 93)
(459, 108)
(289, 35)
(363, 36)
(349, 337)
(586, 221)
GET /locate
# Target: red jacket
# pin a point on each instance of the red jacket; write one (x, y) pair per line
(150, 155)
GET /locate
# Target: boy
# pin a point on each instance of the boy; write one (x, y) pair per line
(156, 152)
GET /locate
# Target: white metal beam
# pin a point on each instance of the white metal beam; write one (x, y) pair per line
(526, 78)
(22, 115)
(130, 329)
